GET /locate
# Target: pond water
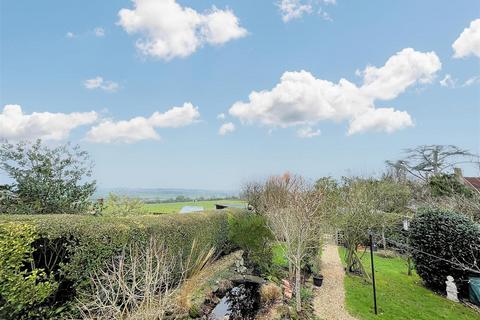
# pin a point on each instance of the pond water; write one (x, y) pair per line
(241, 302)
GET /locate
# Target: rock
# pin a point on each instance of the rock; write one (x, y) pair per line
(248, 278)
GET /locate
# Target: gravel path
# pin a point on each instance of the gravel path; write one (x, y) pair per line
(329, 302)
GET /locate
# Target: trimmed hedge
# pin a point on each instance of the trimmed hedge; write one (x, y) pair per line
(68, 248)
(452, 237)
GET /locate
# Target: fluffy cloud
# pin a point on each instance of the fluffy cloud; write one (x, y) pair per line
(100, 83)
(221, 116)
(300, 99)
(169, 30)
(16, 125)
(293, 9)
(175, 117)
(400, 72)
(226, 128)
(70, 35)
(468, 43)
(307, 132)
(141, 128)
(381, 119)
(126, 131)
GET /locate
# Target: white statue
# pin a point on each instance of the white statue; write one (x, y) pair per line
(451, 289)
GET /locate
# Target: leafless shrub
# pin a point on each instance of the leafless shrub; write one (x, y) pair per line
(138, 284)
(469, 206)
(292, 207)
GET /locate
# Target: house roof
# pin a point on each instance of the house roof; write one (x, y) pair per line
(473, 182)
(220, 206)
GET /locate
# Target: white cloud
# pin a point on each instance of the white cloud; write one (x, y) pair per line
(293, 9)
(99, 32)
(300, 99)
(169, 30)
(468, 43)
(221, 116)
(471, 81)
(99, 83)
(448, 81)
(226, 128)
(307, 132)
(399, 72)
(126, 131)
(70, 35)
(16, 125)
(380, 119)
(175, 117)
(221, 26)
(141, 128)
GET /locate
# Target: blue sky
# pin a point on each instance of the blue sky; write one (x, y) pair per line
(145, 62)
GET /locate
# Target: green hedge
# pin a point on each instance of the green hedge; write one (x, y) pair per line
(68, 248)
(445, 244)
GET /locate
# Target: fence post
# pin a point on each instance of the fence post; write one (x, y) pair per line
(373, 274)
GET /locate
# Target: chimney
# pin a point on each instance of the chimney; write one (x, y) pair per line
(458, 173)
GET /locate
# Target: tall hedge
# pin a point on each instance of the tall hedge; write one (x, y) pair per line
(444, 243)
(66, 249)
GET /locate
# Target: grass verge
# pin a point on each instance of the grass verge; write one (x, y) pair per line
(399, 296)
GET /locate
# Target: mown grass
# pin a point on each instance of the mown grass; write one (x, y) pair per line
(399, 296)
(175, 207)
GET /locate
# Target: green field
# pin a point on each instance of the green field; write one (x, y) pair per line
(399, 296)
(175, 207)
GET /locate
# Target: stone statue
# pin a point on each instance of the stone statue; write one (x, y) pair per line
(451, 289)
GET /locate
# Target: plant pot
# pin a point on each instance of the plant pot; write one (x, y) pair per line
(317, 280)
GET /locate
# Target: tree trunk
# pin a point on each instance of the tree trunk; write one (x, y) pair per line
(435, 162)
(350, 260)
(297, 287)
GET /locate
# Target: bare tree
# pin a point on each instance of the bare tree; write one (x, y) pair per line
(359, 212)
(427, 160)
(465, 200)
(292, 209)
(356, 218)
(252, 193)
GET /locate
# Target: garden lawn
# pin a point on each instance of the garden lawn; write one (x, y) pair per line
(399, 296)
(175, 207)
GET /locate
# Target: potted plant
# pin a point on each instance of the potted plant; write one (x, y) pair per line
(317, 280)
